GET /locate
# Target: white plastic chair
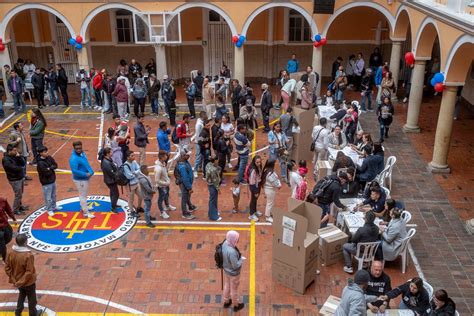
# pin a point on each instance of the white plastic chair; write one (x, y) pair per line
(404, 249)
(368, 254)
(380, 178)
(389, 167)
(428, 289)
(387, 192)
(406, 216)
(456, 313)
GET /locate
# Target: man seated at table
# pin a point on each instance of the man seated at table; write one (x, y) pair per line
(379, 284)
(372, 165)
(367, 233)
(351, 188)
(339, 115)
(375, 203)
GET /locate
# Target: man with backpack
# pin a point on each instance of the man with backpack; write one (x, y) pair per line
(183, 173)
(110, 171)
(327, 191)
(183, 132)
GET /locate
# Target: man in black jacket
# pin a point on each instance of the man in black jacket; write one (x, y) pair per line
(367, 233)
(62, 83)
(38, 82)
(379, 284)
(13, 165)
(266, 105)
(110, 169)
(153, 88)
(331, 195)
(46, 166)
(236, 96)
(198, 81)
(141, 137)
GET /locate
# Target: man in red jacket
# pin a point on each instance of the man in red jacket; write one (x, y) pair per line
(183, 132)
(6, 231)
(97, 85)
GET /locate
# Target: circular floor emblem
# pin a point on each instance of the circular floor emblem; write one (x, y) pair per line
(69, 231)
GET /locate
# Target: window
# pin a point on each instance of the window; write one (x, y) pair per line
(299, 30)
(124, 26)
(214, 16)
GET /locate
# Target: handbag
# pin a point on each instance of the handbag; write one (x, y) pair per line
(313, 144)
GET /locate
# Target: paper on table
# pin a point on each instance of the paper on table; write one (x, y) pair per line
(354, 220)
(288, 237)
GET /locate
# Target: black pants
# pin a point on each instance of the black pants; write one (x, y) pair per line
(30, 292)
(192, 109)
(124, 148)
(98, 97)
(172, 113)
(39, 92)
(236, 110)
(114, 195)
(139, 106)
(357, 82)
(6, 235)
(253, 202)
(63, 89)
(266, 120)
(35, 144)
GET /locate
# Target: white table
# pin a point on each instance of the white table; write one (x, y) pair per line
(326, 111)
(348, 151)
(353, 220)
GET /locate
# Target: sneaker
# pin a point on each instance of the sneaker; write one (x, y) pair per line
(135, 214)
(140, 210)
(253, 218)
(170, 208)
(259, 214)
(229, 165)
(269, 219)
(228, 304)
(150, 224)
(164, 215)
(348, 270)
(89, 215)
(217, 220)
(113, 211)
(58, 208)
(234, 211)
(50, 213)
(188, 216)
(24, 208)
(193, 208)
(239, 307)
(195, 174)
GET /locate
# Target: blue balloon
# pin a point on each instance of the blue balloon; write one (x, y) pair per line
(241, 38)
(438, 78)
(317, 37)
(72, 41)
(433, 82)
(78, 46)
(238, 44)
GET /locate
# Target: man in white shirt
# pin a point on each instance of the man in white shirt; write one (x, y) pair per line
(320, 138)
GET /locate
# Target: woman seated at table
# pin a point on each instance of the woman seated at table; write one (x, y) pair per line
(351, 188)
(337, 139)
(328, 99)
(393, 235)
(414, 296)
(342, 161)
(372, 165)
(366, 143)
(375, 203)
(385, 213)
(442, 305)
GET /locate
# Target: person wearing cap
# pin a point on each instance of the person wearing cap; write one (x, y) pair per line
(184, 178)
(232, 265)
(46, 166)
(353, 300)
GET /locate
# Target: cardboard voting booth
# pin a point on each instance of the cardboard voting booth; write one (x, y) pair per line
(331, 240)
(324, 168)
(302, 140)
(296, 244)
(329, 307)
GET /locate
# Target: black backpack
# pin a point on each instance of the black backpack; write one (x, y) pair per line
(174, 136)
(321, 186)
(177, 175)
(218, 257)
(121, 178)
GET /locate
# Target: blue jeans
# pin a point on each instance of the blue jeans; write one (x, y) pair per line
(18, 102)
(2, 113)
(368, 96)
(198, 161)
(185, 200)
(53, 97)
(213, 198)
(326, 210)
(147, 210)
(163, 196)
(49, 194)
(244, 159)
(273, 157)
(339, 95)
(86, 94)
(154, 105)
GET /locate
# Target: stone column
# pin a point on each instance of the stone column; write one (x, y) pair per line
(317, 62)
(83, 57)
(416, 95)
(395, 64)
(239, 64)
(5, 60)
(160, 58)
(439, 164)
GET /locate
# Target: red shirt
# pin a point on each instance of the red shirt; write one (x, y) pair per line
(5, 211)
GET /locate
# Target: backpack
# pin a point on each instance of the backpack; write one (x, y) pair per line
(321, 186)
(177, 175)
(218, 256)
(174, 136)
(121, 178)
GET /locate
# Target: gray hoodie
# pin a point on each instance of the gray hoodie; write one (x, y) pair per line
(146, 186)
(354, 301)
(232, 261)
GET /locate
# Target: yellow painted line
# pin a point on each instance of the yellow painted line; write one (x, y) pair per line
(14, 121)
(70, 135)
(252, 270)
(194, 228)
(67, 110)
(254, 143)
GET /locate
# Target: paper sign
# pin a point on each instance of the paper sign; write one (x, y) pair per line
(288, 237)
(289, 223)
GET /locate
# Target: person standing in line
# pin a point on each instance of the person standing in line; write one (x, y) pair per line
(141, 137)
(38, 82)
(235, 195)
(213, 180)
(232, 265)
(62, 83)
(151, 67)
(37, 127)
(320, 136)
(6, 231)
(97, 83)
(266, 104)
(110, 171)
(121, 96)
(242, 145)
(14, 165)
(16, 87)
(278, 143)
(163, 182)
(198, 80)
(153, 87)
(52, 81)
(288, 122)
(198, 129)
(139, 96)
(385, 112)
(350, 66)
(208, 97)
(20, 269)
(184, 178)
(131, 170)
(204, 142)
(255, 178)
(83, 79)
(148, 190)
(366, 93)
(18, 140)
(172, 102)
(191, 96)
(165, 90)
(271, 185)
(109, 84)
(235, 98)
(162, 137)
(358, 71)
(2, 94)
(183, 132)
(293, 64)
(46, 166)
(81, 174)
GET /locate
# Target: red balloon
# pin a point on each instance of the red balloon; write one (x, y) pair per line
(79, 39)
(323, 41)
(316, 44)
(235, 39)
(2, 47)
(409, 58)
(439, 87)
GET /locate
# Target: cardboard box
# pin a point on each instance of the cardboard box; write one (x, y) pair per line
(324, 168)
(329, 307)
(302, 140)
(295, 244)
(331, 240)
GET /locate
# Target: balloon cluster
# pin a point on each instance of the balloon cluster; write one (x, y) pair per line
(76, 42)
(2, 46)
(409, 58)
(319, 40)
(238, 40)
(437, 82)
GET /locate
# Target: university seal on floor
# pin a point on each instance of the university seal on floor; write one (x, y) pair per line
(69, 231)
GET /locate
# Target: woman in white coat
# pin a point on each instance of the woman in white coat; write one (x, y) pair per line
(271, 185)
(393, 235)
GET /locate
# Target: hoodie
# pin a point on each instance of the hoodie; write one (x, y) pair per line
(353, 301)
(80, 166)
(20, 267)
